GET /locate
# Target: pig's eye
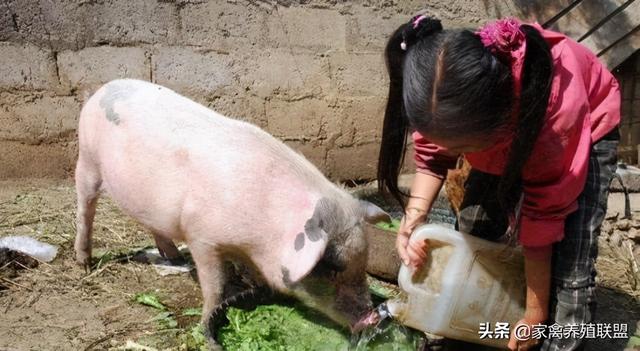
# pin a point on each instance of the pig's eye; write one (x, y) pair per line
(334, 266)
(327, 269)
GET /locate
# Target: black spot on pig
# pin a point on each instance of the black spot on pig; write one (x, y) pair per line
(115, 91)
(286, 277)
(313, 229)
(298, 244)
(323, 220)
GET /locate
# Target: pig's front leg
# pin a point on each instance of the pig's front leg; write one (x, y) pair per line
(87, 189)
(211, 276)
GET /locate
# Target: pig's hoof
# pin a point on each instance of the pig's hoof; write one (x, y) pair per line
(84, 261)
(211, 341)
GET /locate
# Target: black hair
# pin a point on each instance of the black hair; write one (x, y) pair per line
(448, 83)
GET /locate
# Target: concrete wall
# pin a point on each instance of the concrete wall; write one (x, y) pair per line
(310, 72)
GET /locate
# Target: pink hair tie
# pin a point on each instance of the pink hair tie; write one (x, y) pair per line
(417, 20)
(508, 42)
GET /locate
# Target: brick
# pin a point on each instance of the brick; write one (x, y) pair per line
(630, 178)
(221, 25)
(249, 109)
(26, 67)
(8, 25)
(315, 152)
(366, 116)
(52, 24)
(20, 160)
(355, 162)
(69, 24)
(92, 67)
(34, 118)
(359, 74)
(368, 31)
(303, 119)
(307, 29)
(458, 13)
(190, 71)
(126, 22)
(279, 72)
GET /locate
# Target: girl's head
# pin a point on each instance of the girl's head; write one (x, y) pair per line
(449, 87)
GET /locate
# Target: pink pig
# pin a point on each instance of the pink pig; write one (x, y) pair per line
(226, 188)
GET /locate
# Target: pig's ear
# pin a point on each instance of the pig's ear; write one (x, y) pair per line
(374, 214)
(301, 252)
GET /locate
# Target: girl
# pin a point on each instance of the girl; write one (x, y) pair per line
(536, 115)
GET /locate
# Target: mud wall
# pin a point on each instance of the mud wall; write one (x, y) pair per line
(309, 72)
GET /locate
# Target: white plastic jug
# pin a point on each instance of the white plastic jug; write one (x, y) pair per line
(465, 281)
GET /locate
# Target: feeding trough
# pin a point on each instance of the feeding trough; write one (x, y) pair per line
(384, 261)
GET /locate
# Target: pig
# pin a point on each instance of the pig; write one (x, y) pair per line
(226, 188)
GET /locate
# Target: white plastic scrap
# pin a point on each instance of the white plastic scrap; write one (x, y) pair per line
(163, 266)
(30, 246)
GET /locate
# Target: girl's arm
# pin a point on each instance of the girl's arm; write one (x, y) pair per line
(424, 190)
(537, 268)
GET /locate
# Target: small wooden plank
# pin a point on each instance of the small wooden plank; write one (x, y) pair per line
(585, 16)
(613, 57)
(614, 29)
(540, 11)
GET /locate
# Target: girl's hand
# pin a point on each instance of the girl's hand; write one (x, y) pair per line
(538, 273)
(424, 190)
(530, 319)
(412, 254)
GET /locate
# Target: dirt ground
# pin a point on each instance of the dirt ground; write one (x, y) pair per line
(57, 306)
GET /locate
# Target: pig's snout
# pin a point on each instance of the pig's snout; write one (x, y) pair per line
(369, 319)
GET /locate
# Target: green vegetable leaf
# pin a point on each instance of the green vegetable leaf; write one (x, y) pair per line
(196, 311)
(392, 227)
(165, 320)
(149, 299)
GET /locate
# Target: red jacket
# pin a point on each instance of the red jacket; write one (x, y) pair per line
(584, 105)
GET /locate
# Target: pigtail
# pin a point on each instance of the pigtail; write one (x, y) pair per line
(395, 126)
(536, 87)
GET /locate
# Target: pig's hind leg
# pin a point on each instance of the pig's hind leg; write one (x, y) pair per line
(88, 183)
(168, 249)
